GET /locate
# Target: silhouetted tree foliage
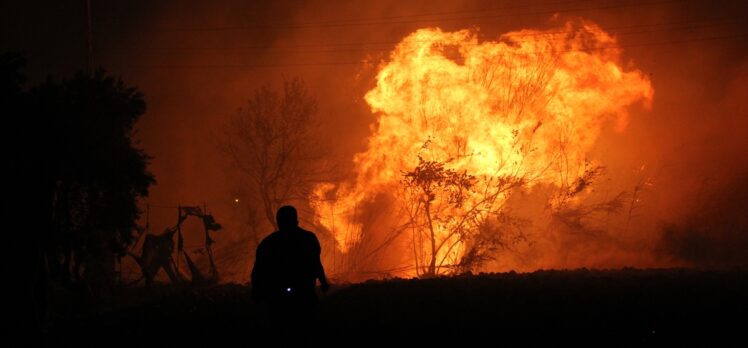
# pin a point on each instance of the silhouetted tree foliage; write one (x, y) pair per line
(11, 78)
(78, 171)
(451, 209)
(432, 191)
(94, 168)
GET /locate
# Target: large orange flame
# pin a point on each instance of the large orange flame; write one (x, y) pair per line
(530, 105)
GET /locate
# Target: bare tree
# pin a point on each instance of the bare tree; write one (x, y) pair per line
(271, 143)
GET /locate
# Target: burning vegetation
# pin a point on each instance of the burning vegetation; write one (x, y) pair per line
(463, 126)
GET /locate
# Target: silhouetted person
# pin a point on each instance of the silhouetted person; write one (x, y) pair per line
(287, 266)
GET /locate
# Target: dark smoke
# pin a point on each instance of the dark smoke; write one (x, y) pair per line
(715, 232)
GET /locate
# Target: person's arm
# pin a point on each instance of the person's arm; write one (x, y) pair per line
(319, 269)
(258, 274)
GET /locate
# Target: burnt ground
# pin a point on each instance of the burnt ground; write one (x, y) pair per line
(624, 307)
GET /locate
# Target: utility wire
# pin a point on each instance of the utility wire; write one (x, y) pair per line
(387, 45)
(334, 63)
(344, 23)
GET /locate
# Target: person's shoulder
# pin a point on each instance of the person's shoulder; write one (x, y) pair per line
(308, 234)
(270, 238)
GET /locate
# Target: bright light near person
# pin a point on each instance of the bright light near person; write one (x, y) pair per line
(236, 200)
(288, 289)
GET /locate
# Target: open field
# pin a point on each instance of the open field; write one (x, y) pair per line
(628, 306)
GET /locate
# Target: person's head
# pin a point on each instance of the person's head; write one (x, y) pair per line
(287, 218)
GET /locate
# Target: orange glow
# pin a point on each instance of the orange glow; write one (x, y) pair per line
(528, 107)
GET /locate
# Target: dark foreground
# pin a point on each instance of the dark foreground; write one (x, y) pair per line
(628, 307)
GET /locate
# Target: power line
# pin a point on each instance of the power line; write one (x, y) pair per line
(377, 20)
(344, 23)
(366, 46)
(334, 63)
(448, 12)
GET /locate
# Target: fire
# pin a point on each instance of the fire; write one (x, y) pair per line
(517, 112)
